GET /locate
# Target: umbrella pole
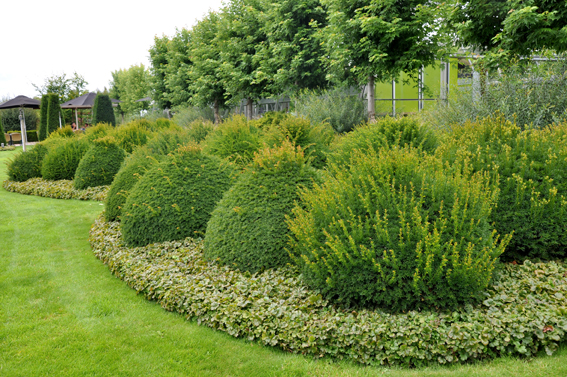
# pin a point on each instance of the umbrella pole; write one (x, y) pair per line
(23, 128)
(60, 126)
(76, 118)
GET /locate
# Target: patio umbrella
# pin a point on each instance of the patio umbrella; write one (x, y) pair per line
(86, 101)
(21, 102)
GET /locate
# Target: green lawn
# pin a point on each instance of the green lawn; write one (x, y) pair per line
(63, 314)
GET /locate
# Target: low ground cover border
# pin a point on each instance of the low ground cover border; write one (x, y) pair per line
(524, 313)
(62, 189)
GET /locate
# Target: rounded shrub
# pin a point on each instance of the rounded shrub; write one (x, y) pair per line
(235, 140)
(100, 130)
(314, 139)
(396, 231)
(530, 167)
(199, 129)
(100, 164)
(175, 198)
(385, 133)
(132, 135)
(27, 165)
(66, 131)
(62, 160)
(247, 229)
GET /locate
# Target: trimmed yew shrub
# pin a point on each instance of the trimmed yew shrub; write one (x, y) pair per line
(42, 131)
(247, 229)
(199, 129)
(62, 160)
(396, 231)
(132, 135)
(53, 112)
(175, 198)
(100, 130)
(2, 134)
(102, 110)
(100, 164)
(235, 140)
(27, 165)
(531, 167)
(168, 141)
(66, 131)
(314, 139)
(385, 133)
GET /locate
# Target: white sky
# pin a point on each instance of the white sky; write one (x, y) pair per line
(40, 38)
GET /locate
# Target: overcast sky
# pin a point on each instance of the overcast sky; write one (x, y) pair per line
(40, 38)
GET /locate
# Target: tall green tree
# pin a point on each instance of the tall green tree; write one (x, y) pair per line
(53, 112)
(205, 74)
(158, 69)
(130, 85)
(67, 88)
(42, 132)
(102, 110)
(370, 40)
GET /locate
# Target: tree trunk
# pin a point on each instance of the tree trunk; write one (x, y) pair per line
(371, 101)
(217, 113)
(249, 109)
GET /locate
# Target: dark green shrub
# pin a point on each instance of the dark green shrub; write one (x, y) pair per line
(32, 136)
(62, 160)
(247, 228)
(175, 198)
(42, 134)
(10, 119)
(27, 165)
(340, 108)
(102, 110)
(314, 139)
(100, 164)
(2, 134)
(53, 112)
(532, 170)
(132, 135)
(235, 140)
(385, 133)
(396, 231)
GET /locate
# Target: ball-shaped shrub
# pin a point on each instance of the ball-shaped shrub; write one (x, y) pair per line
(100, 164)
(235, 140)
(385, 133)
(247, 229)
(313, 138)
(398, 232)
(132, 135)
(199, 129)
(27, 165)
(175, 198)
(62, 160)
(100, 130)
(531, 167)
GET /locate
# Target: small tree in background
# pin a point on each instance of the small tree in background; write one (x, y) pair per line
(102, 110)
(53, 113)
(42, 132)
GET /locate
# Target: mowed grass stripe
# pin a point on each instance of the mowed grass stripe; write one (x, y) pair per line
(63, 314)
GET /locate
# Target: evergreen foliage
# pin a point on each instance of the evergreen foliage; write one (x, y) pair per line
(27, 165)
(531, 168)
(100, 164)
(132, 135)
(2, 135)
(102, 110)
(53, 113)
(42, 134)
(99, 131)
(199, 129)
(63, 158)
(247, 229)
(175, 198)
(66, 131)
(398, 232)
(385, 133)
(236, 140)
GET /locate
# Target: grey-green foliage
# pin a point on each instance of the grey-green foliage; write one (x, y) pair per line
(340, 108)
(175, 198)
(247, 228)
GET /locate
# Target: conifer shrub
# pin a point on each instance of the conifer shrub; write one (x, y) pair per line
(162, 124)
(531, 169)
(53, 112)
(99, 131)
(168, 141)
(62, 159)
(31, 136)
(313, 138)
(100, 164)
(385, 133)
(247, 229)
(66, 131)
(199, 129)
(175, 198)
(132, 135)
(398, 232)
(42, 131)
(27, 165)
(235, 140)
(2, 134)
(102, 110)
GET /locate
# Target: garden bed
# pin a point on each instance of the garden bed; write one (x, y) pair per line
(524, 311)
(62, 189)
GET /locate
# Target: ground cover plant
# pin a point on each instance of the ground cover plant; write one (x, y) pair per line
(522, 313)
(100, 164)
(175, 198)
(530, 166)
(61, 189)
(247, 229)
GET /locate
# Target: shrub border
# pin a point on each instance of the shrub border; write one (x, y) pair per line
(522, 315)
(62, 189)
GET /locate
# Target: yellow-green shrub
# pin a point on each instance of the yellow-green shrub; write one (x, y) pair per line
(62, 160)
